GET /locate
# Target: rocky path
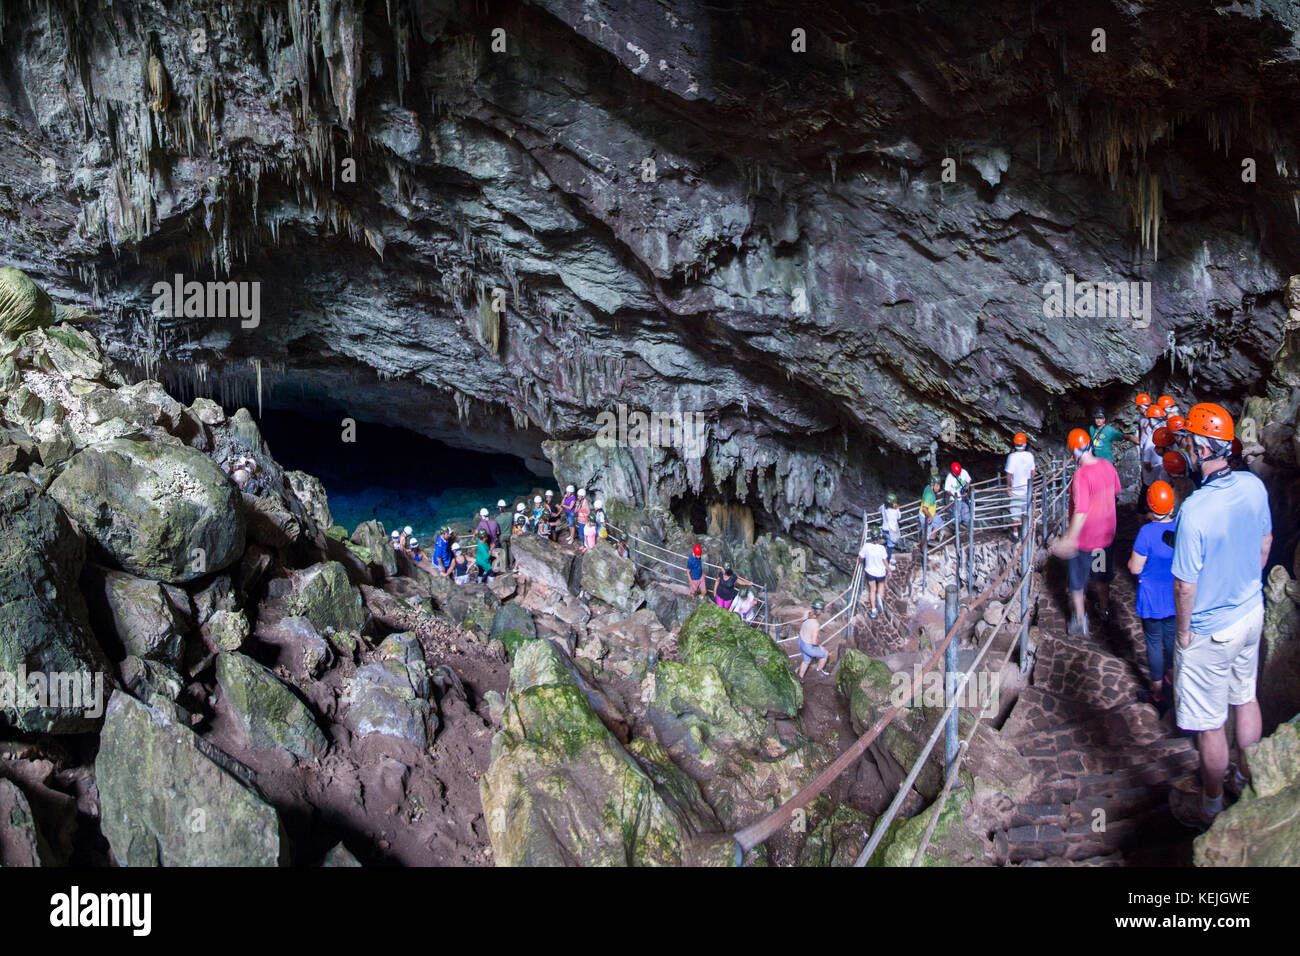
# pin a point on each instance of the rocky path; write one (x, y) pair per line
(1103, 760)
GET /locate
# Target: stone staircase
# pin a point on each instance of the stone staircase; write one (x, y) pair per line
(1102, 760)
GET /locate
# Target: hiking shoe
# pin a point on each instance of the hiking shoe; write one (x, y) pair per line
(873, 613)
(1187, 809)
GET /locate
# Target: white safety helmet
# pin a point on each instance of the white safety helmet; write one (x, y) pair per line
(569, 490)
(482, 512)
(395, 535)
(407, 530)
(550, 494)
(582, 492)
(501, 502)
(537, 499)
(520, 506)
(455, 546)
(412, 543)
(598, 504)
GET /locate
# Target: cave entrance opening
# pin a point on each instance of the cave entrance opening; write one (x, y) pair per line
(398, 476)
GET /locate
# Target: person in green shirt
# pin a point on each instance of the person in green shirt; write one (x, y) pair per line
(931, 520)
(1103, 435)
(483, 558)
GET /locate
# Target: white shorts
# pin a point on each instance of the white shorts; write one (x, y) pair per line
(1216, 670)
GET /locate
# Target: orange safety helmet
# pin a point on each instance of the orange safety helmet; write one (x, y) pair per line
(1174, 463)
(1164, 401)
(1142, 401)
(1210, 421)
(1162, 438)
(1160, 498)
(1155, 411)
(1078, 440)
(956, 468)
(1175, 424)
(1020, 439)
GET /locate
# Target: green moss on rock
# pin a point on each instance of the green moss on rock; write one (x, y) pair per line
(753, 665)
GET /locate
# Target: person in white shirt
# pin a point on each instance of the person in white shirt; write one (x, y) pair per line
(745, 605)
(957, 486)
(1020, 477)
(889, 518)
(875, 566)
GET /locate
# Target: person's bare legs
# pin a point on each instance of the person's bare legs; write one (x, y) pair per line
(1213, 745)
(803, 669)
(1076, 602)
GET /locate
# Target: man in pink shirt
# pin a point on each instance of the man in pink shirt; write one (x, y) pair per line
(1088, 542)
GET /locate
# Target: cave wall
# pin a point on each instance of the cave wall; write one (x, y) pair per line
(685, 213)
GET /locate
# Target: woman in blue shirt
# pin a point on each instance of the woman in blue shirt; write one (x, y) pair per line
(1152, 561)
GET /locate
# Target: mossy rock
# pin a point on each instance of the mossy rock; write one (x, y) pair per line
(1263, 827)
(951, 844)
(753, 665)
(562, 791)
(271, 716)
(23, 304)
(156, 787)
(837, 839)
(324, 595)
(165, 512)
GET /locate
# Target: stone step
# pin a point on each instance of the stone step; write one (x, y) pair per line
(1073, 843)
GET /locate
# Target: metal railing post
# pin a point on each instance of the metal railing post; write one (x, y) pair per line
(970, 563)
(1025, 565)
(950, 676)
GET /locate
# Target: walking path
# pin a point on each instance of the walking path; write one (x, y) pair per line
(1093, 745)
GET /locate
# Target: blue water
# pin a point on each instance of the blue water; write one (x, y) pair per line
(396, 476)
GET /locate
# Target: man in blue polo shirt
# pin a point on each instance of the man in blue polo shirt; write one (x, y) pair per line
(1222, 544)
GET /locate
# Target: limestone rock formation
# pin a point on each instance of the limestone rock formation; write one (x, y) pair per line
(160, 511)
(561, 790)
(43, 615)
(269, 714)
(167, 804)
(1263, 827)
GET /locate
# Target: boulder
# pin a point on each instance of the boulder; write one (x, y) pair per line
(562, 791)
(513, 617)
(672, 609)
(374, 542)
(692, 705)
(870, 687)
(1279, 678)
(19, 842)
(753, 665)
(1263, 827)
(311, 493)
(543, 563)
(227, 629)
(610, 578)
(340, 857)
(391, 694)
(299, 647)
(836, 840)
(23, 304)
(141, 615)
(165, 803)
(270, 521)
(953, 842)
(324, 595)
(150, 681)
(160, 511)
(271, 716)
(44, 623)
